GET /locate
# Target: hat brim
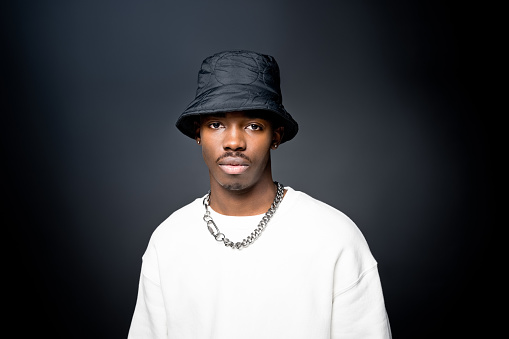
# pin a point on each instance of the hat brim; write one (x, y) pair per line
(233, 98)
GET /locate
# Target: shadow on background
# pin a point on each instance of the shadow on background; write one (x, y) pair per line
(392, 133)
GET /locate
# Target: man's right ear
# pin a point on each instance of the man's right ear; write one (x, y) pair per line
(197, 132)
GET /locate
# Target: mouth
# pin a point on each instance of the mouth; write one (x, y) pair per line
(233, 169)
(233, 165)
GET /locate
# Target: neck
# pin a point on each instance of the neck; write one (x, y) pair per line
(253, 200)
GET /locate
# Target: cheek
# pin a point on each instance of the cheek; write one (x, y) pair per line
(265, 145)
(210, 154)
(263, 151)
(205, 151)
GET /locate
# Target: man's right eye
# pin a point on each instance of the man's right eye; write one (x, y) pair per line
(215, 125)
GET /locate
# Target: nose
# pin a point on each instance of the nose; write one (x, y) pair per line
(234, 139)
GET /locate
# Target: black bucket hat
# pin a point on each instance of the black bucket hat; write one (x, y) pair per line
(238, 81)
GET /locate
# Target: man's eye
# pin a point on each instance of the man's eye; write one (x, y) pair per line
(215, 125)
(255, 127)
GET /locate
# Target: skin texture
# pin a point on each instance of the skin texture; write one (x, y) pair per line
(236, 148)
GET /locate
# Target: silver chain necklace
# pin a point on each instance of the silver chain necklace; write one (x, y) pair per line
(214, 230)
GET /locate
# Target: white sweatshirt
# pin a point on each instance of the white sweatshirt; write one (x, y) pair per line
(309, 275)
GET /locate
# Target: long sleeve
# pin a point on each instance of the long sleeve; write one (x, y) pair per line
(358, 311)
(149, 318)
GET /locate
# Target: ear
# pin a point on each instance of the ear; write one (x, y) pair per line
(277, 137)
(197, 132)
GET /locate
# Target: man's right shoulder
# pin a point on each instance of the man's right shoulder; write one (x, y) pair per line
(184, 215)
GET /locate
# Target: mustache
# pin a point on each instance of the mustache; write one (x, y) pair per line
(233, 155)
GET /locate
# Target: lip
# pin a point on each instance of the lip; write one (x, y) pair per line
(234, 169)
(232, 165)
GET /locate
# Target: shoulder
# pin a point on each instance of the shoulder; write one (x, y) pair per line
(172, 226)
(314, 205)
(322, 217)
(328, 230)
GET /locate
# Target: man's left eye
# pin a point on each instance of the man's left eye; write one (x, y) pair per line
(255, 127)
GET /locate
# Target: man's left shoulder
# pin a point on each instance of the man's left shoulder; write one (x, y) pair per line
(322, 216)
(307, 203)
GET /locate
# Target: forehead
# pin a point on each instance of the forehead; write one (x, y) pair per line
(239, 114)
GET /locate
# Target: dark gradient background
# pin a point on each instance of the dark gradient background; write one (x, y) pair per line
(387, 95)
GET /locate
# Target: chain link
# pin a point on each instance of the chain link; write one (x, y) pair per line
(216, 233)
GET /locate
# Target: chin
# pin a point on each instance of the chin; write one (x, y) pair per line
(234, 186)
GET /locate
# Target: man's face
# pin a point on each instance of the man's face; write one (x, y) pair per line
(236, 148)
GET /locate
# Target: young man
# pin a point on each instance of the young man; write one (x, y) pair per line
(253, 259)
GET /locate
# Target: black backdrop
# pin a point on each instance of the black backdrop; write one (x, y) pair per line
(392, 133)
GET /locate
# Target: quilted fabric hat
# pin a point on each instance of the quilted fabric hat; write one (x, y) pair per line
(238, 81)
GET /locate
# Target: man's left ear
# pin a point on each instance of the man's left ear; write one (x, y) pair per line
(277, 137)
